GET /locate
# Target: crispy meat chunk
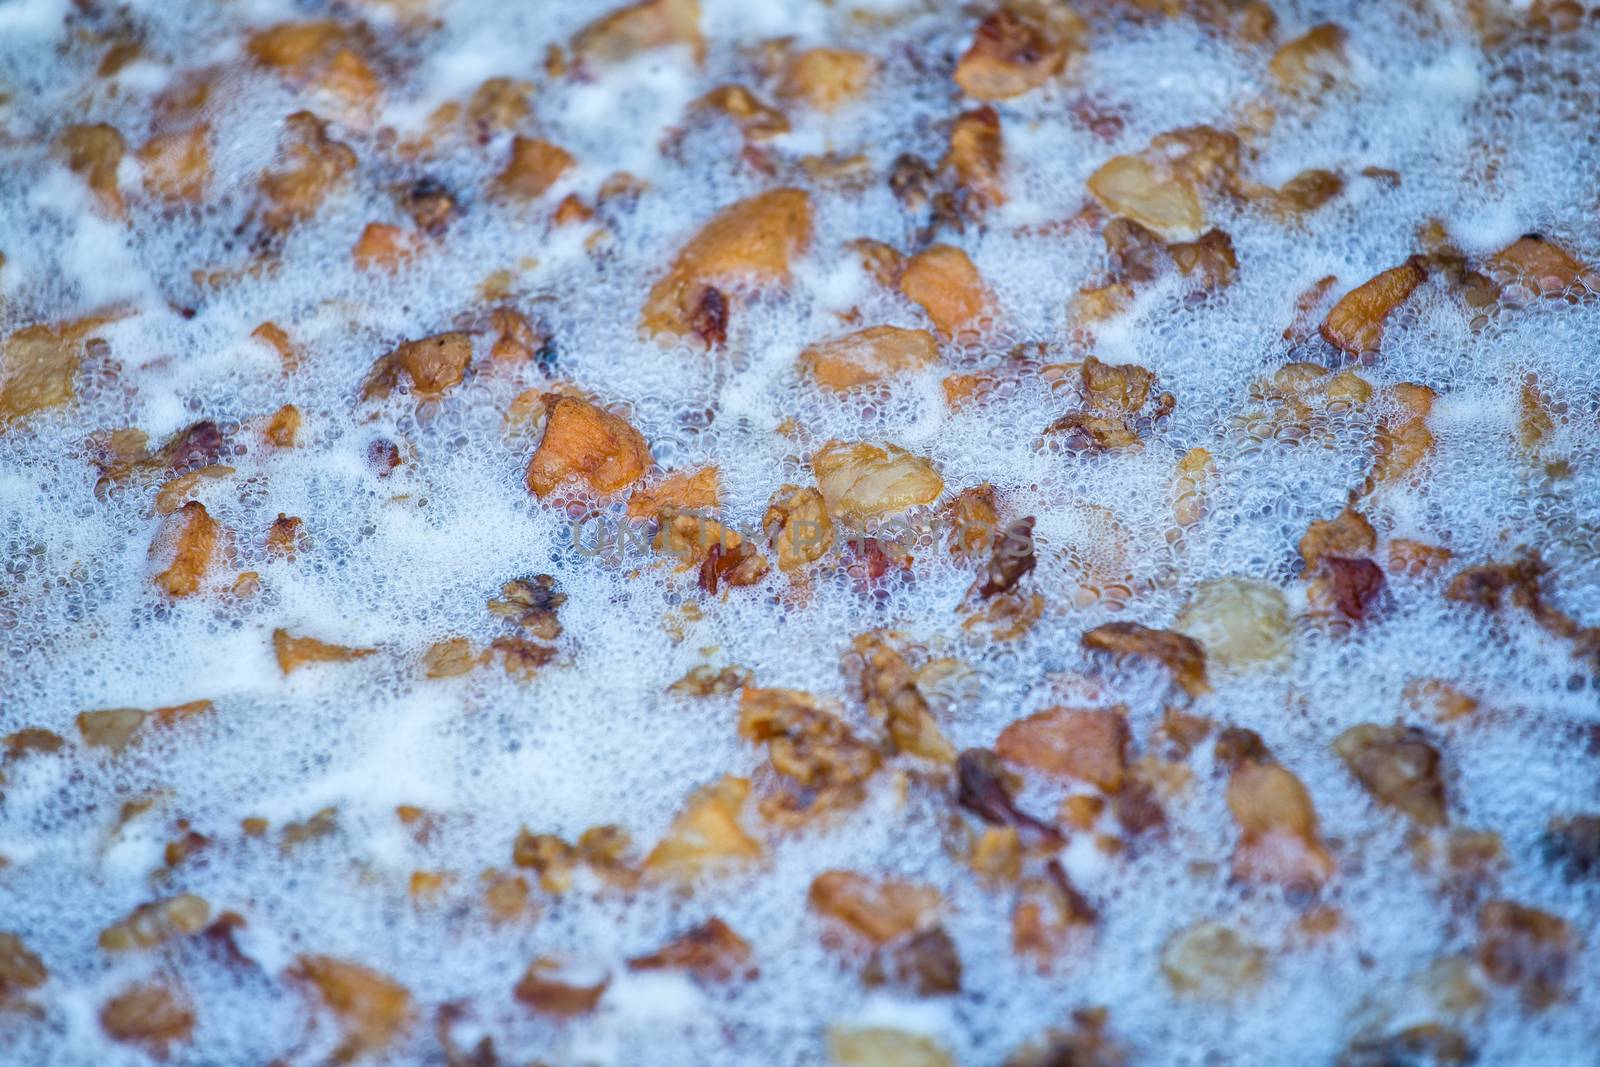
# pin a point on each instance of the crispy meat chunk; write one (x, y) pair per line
(1399, 767)
(1182, 655)
(587, 442)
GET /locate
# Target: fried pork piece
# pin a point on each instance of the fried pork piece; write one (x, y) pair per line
(827, 78)
(798, 526)
(38, 365)
(532, 604)
(1311, 62)
(1278, 837)
(112, 728)
(860, 480)
(1011, 559)
(151, 924)
(1017, 49)
(880, 1046)
(948, 286)
(756, 120)
(868, 355)
(1526, 948)
(699, 490)
(750, 242)
(1541, 266)
(1399, 767)
(706, 833)
(313, 166)
(1518, 583)
(94, 152)
(706, 681)
(1115, 398)
(890, 688)
(533, 168)
(1212, 961)
(1161, 186)
(810, 747)
(975, 156)
(584, 441)
(152, 1015)
(974, 518)
(635, 28)
(982, 789)
(184, 548)
(1355, 324)
(1239, 622)
(432, 365)
(295, 652)
(1349, 535)
(879, 911)
(20, 968)
(1425, 1045)
(1182, 655)
(712, 952)
(373, 1009)
(1049, 915)
(1403, 439)
(1089, 744)
(562, 987)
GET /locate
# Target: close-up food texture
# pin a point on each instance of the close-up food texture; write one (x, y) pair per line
(873, 533)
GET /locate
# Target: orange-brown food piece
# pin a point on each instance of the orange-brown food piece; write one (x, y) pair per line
(1526, 948)
(295, 652)
(1349, 535)
(1355, 324)
(812, 748)
(1403, 439)
(748, 242)
(534, 167)
(712, 952)
(868, 355)
(159, 921)
(1015, 50)
(383, 247)
(638, 27)
(283, 429)
(433, 365)
(879, 911)
(706, 833)
(94, 152)
(1542, 265)
(798, 526)
(860, 480)
(1183, 655)
(890, 688)
(373, 1008)
(758, 121)
(944, 281)
(295, 46)
(177, 166)
(1279, 840)
(1398, 766)
(584, 441)
(313, 166)
(184, 547)
(274, 335)
(152, 1015)
(560, 987)
(827, 78)
(38, 365)
(1311, 61)
(1088, 744)
(698, 490)
(111, 728)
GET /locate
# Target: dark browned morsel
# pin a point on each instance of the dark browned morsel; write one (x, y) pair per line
(981, 789)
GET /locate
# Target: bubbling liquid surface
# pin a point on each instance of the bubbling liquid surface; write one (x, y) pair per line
(306, 803)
